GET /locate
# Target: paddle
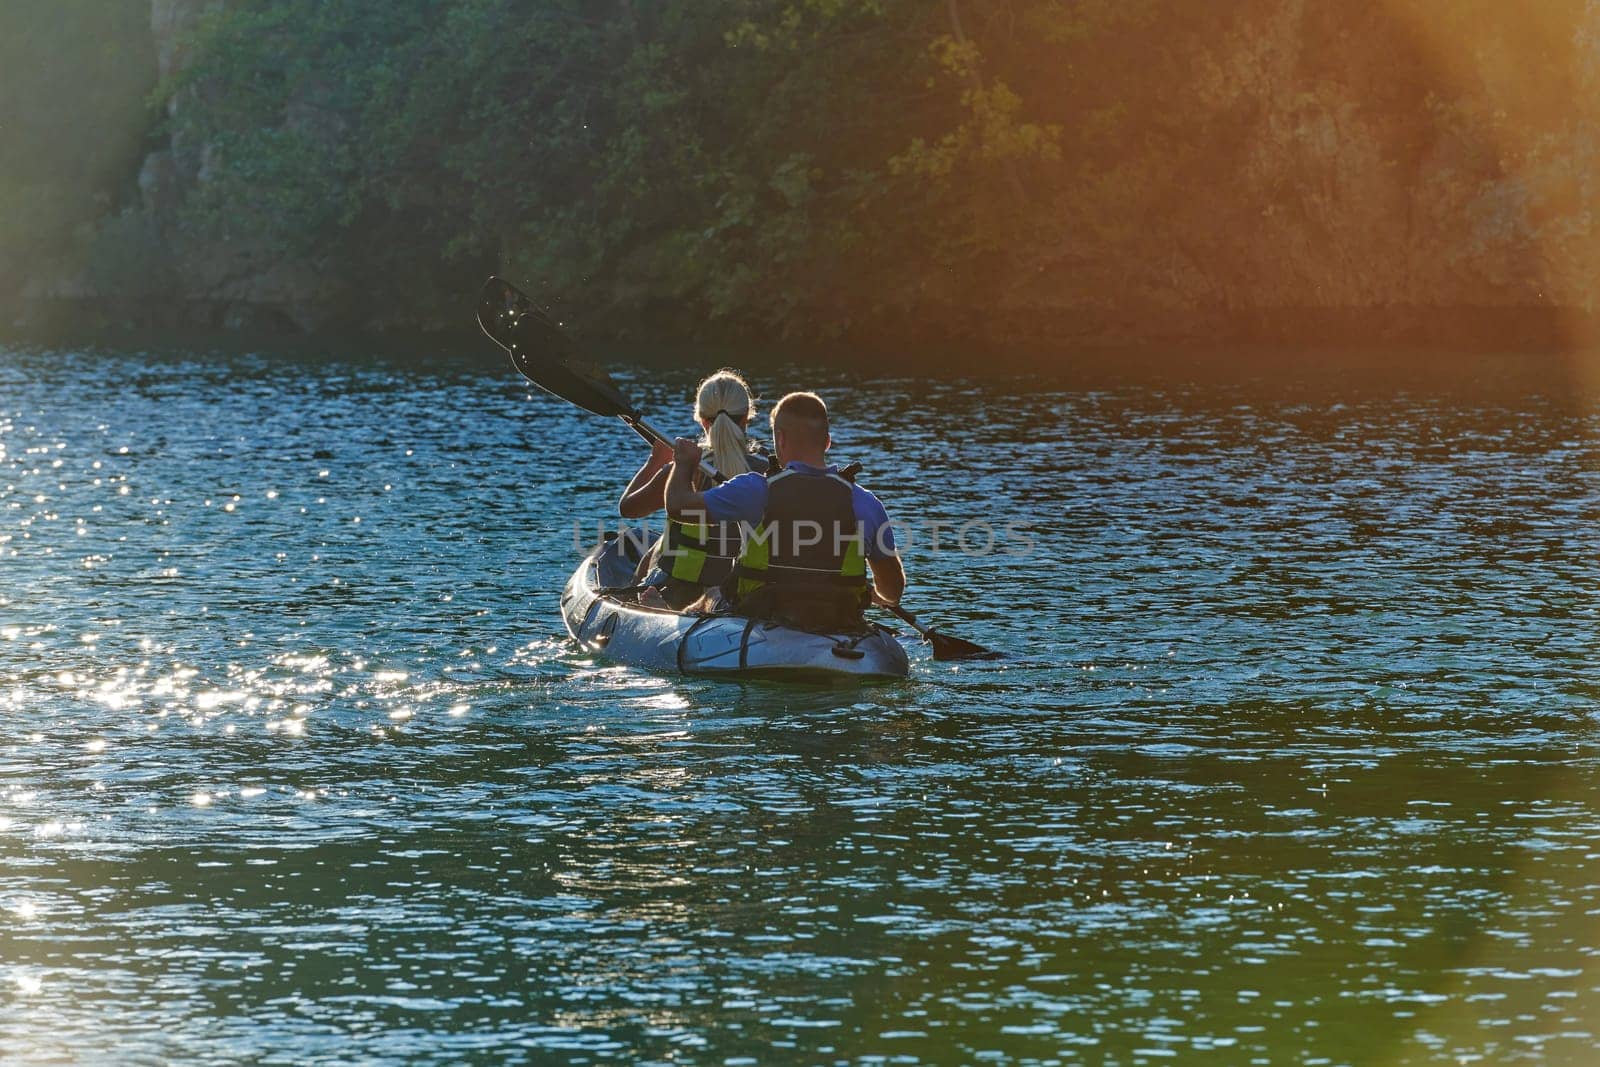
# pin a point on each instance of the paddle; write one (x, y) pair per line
(945, 647)
(544, 355)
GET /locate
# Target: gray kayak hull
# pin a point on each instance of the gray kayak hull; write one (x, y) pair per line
(708, 644)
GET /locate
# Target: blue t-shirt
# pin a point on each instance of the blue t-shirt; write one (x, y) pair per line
(744, 500)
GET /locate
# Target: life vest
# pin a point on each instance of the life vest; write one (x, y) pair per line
(703, 553)
(805, 563)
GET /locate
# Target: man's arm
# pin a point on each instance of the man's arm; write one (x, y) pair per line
(888, 579)
(683, 503)
(888, 575)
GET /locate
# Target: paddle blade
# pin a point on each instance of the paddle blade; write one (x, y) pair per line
(542, 352)
(946, 647)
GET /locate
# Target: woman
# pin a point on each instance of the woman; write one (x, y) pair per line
(689, 560)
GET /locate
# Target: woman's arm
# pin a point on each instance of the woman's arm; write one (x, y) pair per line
(646, 494)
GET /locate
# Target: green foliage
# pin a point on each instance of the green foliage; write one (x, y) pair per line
(707, 160)
(805, 167)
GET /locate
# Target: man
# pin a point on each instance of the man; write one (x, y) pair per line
(811, 535)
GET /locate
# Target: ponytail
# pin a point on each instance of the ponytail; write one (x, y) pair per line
(724, 399)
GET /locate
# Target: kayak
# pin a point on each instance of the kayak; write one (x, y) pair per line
(726, 645)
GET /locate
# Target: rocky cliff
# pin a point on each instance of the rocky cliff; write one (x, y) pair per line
(1374, 170)
(1114, 173)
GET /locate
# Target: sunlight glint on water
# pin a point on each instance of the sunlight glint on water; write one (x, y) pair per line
(1295, 760)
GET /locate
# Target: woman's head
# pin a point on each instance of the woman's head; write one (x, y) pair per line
(724, 407)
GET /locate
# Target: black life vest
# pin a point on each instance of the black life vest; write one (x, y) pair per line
(806, 563)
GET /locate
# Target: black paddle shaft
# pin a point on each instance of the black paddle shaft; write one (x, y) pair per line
(543, 353)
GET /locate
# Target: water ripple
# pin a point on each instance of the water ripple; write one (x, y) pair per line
(1295, 761)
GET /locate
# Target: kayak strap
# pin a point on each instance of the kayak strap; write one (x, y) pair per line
(744, 643)
(683, 643)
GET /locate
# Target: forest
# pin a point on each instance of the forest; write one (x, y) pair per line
(1025, 173)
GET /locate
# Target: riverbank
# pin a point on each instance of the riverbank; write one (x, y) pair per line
(1048, 342)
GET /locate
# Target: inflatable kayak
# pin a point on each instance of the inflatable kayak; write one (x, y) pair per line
(661, 639)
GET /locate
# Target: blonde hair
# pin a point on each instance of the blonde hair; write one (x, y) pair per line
(724, 400)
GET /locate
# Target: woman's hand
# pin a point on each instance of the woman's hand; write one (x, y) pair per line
(645, 495)
(686, 452)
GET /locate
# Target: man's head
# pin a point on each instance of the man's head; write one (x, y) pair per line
(800, 429)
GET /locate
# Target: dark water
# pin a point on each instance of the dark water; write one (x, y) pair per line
(1296, 762)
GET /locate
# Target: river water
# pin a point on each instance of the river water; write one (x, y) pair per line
(1294, 760)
